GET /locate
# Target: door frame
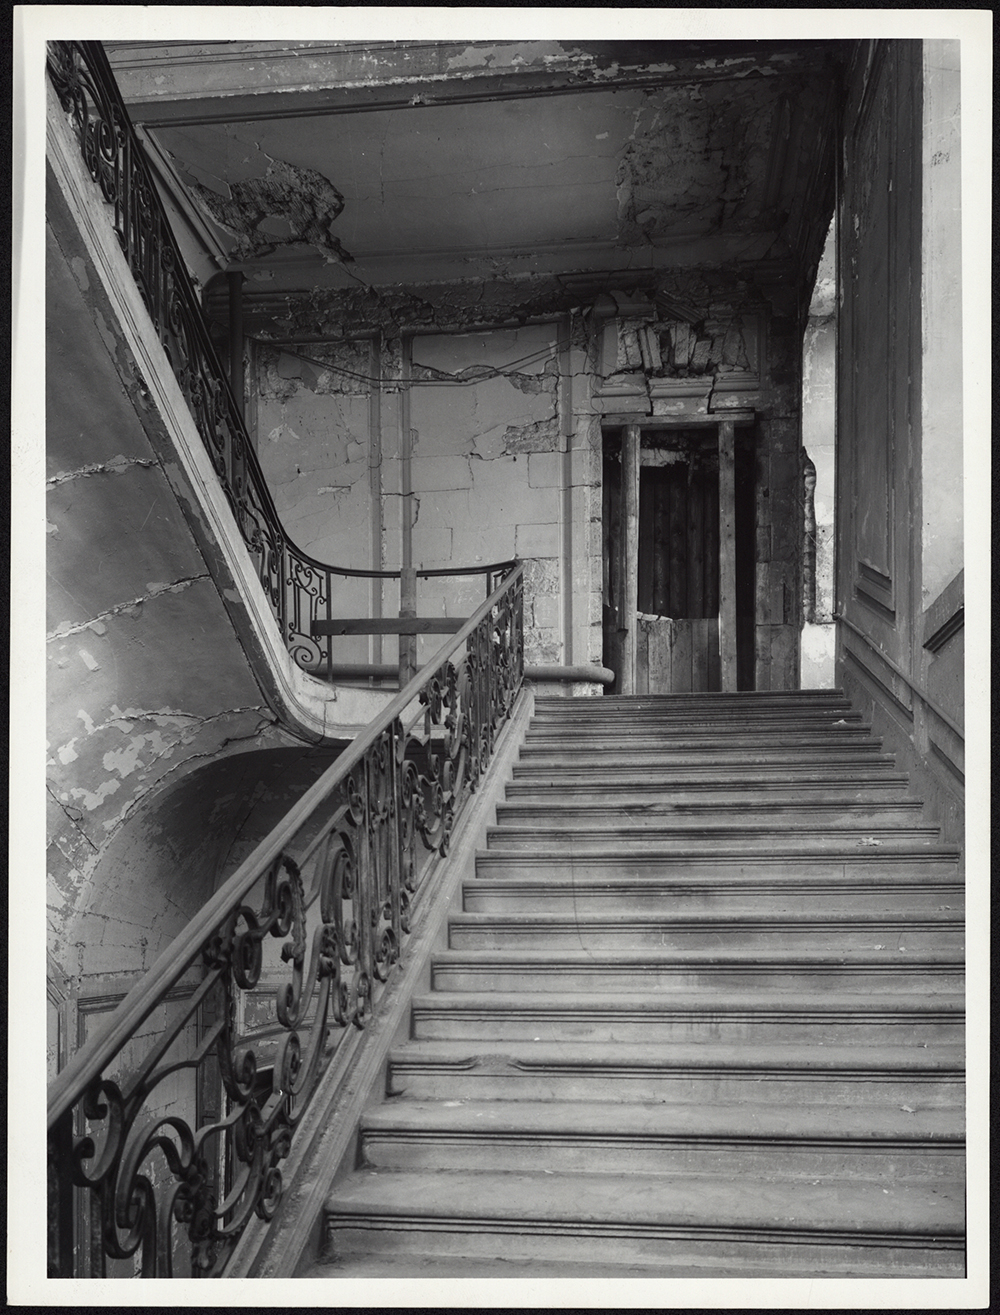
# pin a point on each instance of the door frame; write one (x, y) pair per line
(632, 426)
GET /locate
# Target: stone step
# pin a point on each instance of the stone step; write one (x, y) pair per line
(892, 969)
(816, 770)
(620, 793)
(702, 698)
(554, 814)
(770, 1017)
(726, 740)
(721, 862)
(666, 730)
(718, 1141)
(851, 1226)
(775, 839)
(559, 894)
(696, 726)
(526, 929)
(921, 1078)
(642, 762)
(826, 714)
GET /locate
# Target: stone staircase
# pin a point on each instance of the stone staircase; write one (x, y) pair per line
(701, 1014)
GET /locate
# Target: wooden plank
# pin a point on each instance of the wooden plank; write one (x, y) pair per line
(661, 643)
(630, 555)
(681, 658)
(647, 545)
(643, 640)
(390, 625)
(678, 542)
(661, 592)
(714, 663)
(710, 556)
(699, 654)
(727, 554)
(696, 564)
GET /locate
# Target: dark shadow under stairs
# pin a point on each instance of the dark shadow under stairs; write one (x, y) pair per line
(701, 1014)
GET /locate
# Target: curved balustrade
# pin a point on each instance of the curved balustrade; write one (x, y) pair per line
(299, 589)
(168, 1129)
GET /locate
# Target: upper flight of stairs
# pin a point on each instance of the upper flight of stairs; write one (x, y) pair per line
(701, 1014)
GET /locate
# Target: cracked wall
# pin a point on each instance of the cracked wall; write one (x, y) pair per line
(487, 468)
(314, 440)
(146, 679)
(505, 444)
(486, 449)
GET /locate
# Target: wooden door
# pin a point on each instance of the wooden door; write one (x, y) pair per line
(677, 639)
(678, 574)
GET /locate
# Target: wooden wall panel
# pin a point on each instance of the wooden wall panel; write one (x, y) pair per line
(879, 344)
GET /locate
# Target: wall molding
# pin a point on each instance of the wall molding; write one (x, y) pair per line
(945, 617)
(897, 670)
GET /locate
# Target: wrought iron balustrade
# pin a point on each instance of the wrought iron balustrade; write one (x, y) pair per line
(299, 588)
(168, 1129)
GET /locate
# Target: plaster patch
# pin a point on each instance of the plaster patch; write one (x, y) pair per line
(94, 799)
(89, 660)
(67, 754)
(541, 436)
(79, 268)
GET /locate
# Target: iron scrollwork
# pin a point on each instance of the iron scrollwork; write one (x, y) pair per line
(171, 1179)
(295, 584)
(161, 1154)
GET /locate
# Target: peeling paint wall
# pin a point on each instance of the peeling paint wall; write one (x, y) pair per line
(315, 444)
(146, 679)
(487, 470)
(503, 439)
(489, 423)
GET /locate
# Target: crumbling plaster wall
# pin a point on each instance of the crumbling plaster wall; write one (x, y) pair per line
(315, 443)
(501, 429)
(146, 679)
(487, 470)
(489, 449)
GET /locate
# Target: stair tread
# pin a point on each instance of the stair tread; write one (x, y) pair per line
(620, 1119)
(858, 922)
(694, 954)
(828, 1002)
(850, 1208)
(844, 1109)
(569, 880)
(773, 1056)
(860, 853)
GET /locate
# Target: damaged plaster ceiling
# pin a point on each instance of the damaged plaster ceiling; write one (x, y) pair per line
(706, 166)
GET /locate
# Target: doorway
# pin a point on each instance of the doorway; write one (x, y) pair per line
(684, 553)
